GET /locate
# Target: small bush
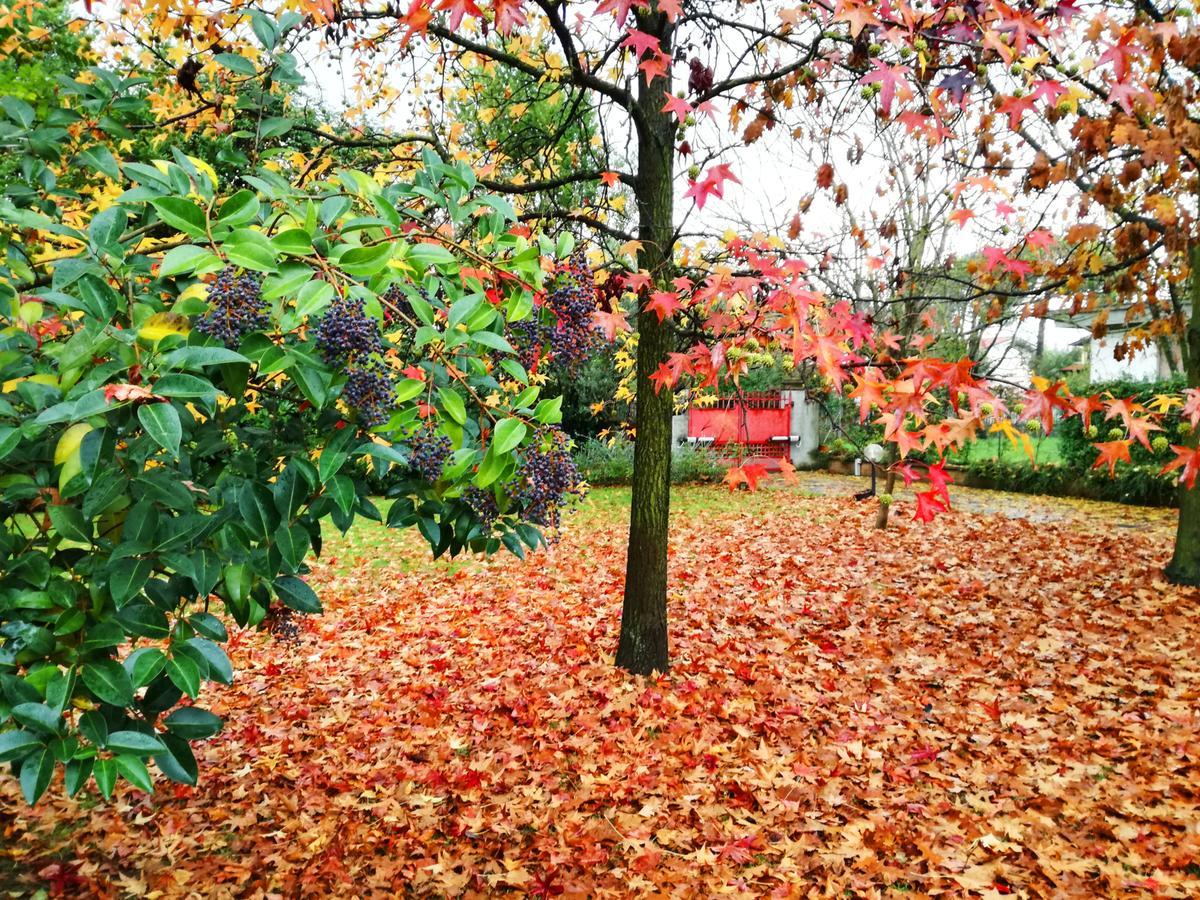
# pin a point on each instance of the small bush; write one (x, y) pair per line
(692, 464)
(603, 463)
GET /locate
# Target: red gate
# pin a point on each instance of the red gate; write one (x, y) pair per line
(752, 427)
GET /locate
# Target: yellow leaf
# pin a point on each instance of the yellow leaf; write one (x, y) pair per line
(162, 324)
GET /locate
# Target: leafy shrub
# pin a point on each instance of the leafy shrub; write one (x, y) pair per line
(1075, 444)
(603, 462)
(1136, 484)
(611, 462)
(695, 464)
(185, 383)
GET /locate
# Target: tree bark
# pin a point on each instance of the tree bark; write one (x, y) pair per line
(1184, 567)
(643, 646)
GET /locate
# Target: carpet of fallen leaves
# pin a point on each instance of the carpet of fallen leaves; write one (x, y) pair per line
(986, 705)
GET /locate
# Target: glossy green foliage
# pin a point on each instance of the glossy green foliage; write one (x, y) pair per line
(161, 483)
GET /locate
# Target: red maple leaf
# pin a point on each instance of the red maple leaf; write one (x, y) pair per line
(1191, 407)
(609, 323)
(458, 9)
(678, 106)
(711, 185)
(1084, 407)
(663, 304)
(641, 43)
(1042, 400)
(1188, 459)
(892, 82)
(961, 217)
(1112, 452)
(939, 478)
(663, 377)
(929, 504)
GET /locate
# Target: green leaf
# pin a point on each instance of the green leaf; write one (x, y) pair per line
(235, 63)
(184, 674)
(293, 242)
(105, 773)
(408, 389)
(39, 717)
(94, 727)
(10, 438)
(143, 620)
(490, 469)
(549, 412)
(188, 387)
(18, 110)
(144, 665)
(161, 422)
(136, 742)
(182, 215)
(492, 341)
(208, 625)
(193, 723)
(178, 763)
(363, 262)
(135, 772)
(35, 775)
(293, 545)
(508, 434)
(297, 595)
(69, 522)
(453, 405)
(76, 775)
(197, 357)
(240, 209)
(185, 259)
(257, 507)
(424, 256)
(109, 681)
(220, 669)
(251, 250)
(127, 578)
(16, 744)
(101, 159)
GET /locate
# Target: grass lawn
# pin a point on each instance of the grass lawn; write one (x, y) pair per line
(998, 447)
(979, 706)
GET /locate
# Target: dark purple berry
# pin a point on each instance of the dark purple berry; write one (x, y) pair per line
(236, 308)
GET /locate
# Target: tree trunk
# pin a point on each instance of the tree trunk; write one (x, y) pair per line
(643, 646)
(1184, 567)
(881, 517)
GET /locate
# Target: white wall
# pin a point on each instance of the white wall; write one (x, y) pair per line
(1141, 366)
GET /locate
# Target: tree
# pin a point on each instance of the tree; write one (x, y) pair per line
(762, 64)
(1100, 107)
(136, 344)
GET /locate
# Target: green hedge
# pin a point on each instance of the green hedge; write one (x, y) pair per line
(1075, 445)
(1136, 484)
(602, 463)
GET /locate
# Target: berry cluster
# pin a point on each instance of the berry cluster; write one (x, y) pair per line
(547, 477)
(573, 301)
(347, 331)
(370, 389)
(570, 335)
(396, 305)
(528, 337)
(429, 453)
(236, 309)
(483, 502)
